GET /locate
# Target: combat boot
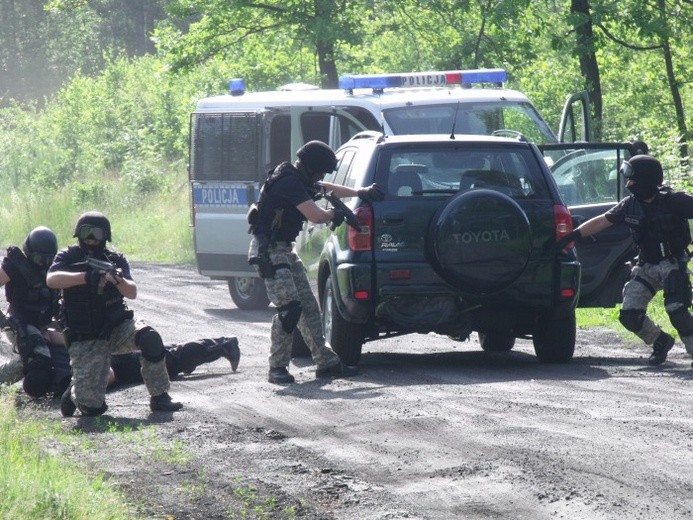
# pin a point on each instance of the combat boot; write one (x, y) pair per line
(661, 348)
(90, 411)
(164, 403)
(336, 370)
(67, 405)
(280, 376)
(230, 350)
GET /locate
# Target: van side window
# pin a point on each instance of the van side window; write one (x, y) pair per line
(224, 147)
(315, 126)
(280, 139)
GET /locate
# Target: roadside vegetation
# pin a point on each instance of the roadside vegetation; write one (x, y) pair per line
(36, 485)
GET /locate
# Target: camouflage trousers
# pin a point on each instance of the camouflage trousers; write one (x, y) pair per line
(90, 361)
(287, 285)
(636, 295)
(12, 370)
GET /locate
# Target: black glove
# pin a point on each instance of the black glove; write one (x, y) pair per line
(338, 218)
(570, 237)
(371, 193)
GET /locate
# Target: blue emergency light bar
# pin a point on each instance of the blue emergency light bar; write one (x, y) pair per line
(422, 79)
(236, 86)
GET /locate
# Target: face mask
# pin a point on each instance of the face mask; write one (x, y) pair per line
(642, 191)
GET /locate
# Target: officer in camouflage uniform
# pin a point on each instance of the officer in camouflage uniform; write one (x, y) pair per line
(287, 200)
(658, 219)
(98, 322)
(32, 305)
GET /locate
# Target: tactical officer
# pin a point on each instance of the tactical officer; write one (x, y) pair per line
(98, 323)
(658, 219)
(287, 200)
(181, 358)
(32, 305)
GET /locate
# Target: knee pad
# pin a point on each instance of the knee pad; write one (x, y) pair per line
(151, 344)
(682, 321)
(632, 319)
(677, 288)
(289, 315)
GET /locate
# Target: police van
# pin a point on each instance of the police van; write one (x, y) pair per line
(237, 137)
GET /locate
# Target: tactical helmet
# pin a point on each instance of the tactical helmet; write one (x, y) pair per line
(93, 219)
(40, 246)
(644, 170)
(317, 157)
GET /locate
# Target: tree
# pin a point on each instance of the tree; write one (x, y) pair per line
(224, 25)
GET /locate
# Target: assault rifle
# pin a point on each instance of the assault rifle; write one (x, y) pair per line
(104, 267)
(349, 215)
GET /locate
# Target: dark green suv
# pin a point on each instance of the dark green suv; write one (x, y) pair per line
(463, 242)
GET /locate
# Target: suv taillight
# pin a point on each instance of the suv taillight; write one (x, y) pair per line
(361, 241)
(563, 222)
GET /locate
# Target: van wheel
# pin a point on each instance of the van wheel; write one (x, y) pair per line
(554, 339)
(496, 341)
(345, 338)
(248, 293)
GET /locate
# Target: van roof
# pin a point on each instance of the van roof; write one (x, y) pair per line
(388, 98)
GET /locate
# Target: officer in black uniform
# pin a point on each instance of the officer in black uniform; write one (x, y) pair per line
(287, 200)
(32, 305)
(658, 219)
(98, 322)
(181, 358)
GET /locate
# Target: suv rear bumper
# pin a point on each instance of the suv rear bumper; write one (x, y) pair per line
(429, 307)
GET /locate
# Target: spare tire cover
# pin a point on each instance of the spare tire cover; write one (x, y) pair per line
(480, 241)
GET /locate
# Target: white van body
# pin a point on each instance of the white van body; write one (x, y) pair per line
(236, 138)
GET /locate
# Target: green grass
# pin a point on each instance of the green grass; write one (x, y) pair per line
(36, 485)
(149, 222)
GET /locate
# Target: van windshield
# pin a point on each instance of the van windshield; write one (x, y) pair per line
(472, 118)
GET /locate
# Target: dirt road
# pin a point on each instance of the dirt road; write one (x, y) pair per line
(430, 429)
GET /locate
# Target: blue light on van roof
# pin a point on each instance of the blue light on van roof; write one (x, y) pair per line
(236, 86)
(422, 79)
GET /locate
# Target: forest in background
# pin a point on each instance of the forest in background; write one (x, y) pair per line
(95, 95)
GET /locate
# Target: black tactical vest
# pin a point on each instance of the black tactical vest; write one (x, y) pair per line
(658, 233)
(87, 314)
(30, 299)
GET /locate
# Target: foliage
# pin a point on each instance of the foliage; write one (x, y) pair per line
(59, 490)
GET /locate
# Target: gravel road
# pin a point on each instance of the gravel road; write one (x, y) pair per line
(429, 429)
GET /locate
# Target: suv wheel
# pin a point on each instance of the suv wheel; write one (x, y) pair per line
(554, 339)
(496, 341)
(248, 293)
(345, 338)
(480, 241)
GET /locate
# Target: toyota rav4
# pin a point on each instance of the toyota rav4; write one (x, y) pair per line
(464, 241)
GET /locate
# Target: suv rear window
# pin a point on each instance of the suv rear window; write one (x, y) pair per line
(424, 171)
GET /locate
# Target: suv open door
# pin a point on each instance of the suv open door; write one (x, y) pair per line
(588, 180)
(576, 122)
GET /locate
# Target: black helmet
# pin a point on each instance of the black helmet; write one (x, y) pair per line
(88, 224)
(40, 246)
(640, 147)
(644, 170)
(317, 157)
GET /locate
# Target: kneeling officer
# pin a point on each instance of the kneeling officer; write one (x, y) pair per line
(98, 322)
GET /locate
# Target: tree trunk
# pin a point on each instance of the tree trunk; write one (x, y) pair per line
(675, 93)
(588, 61)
